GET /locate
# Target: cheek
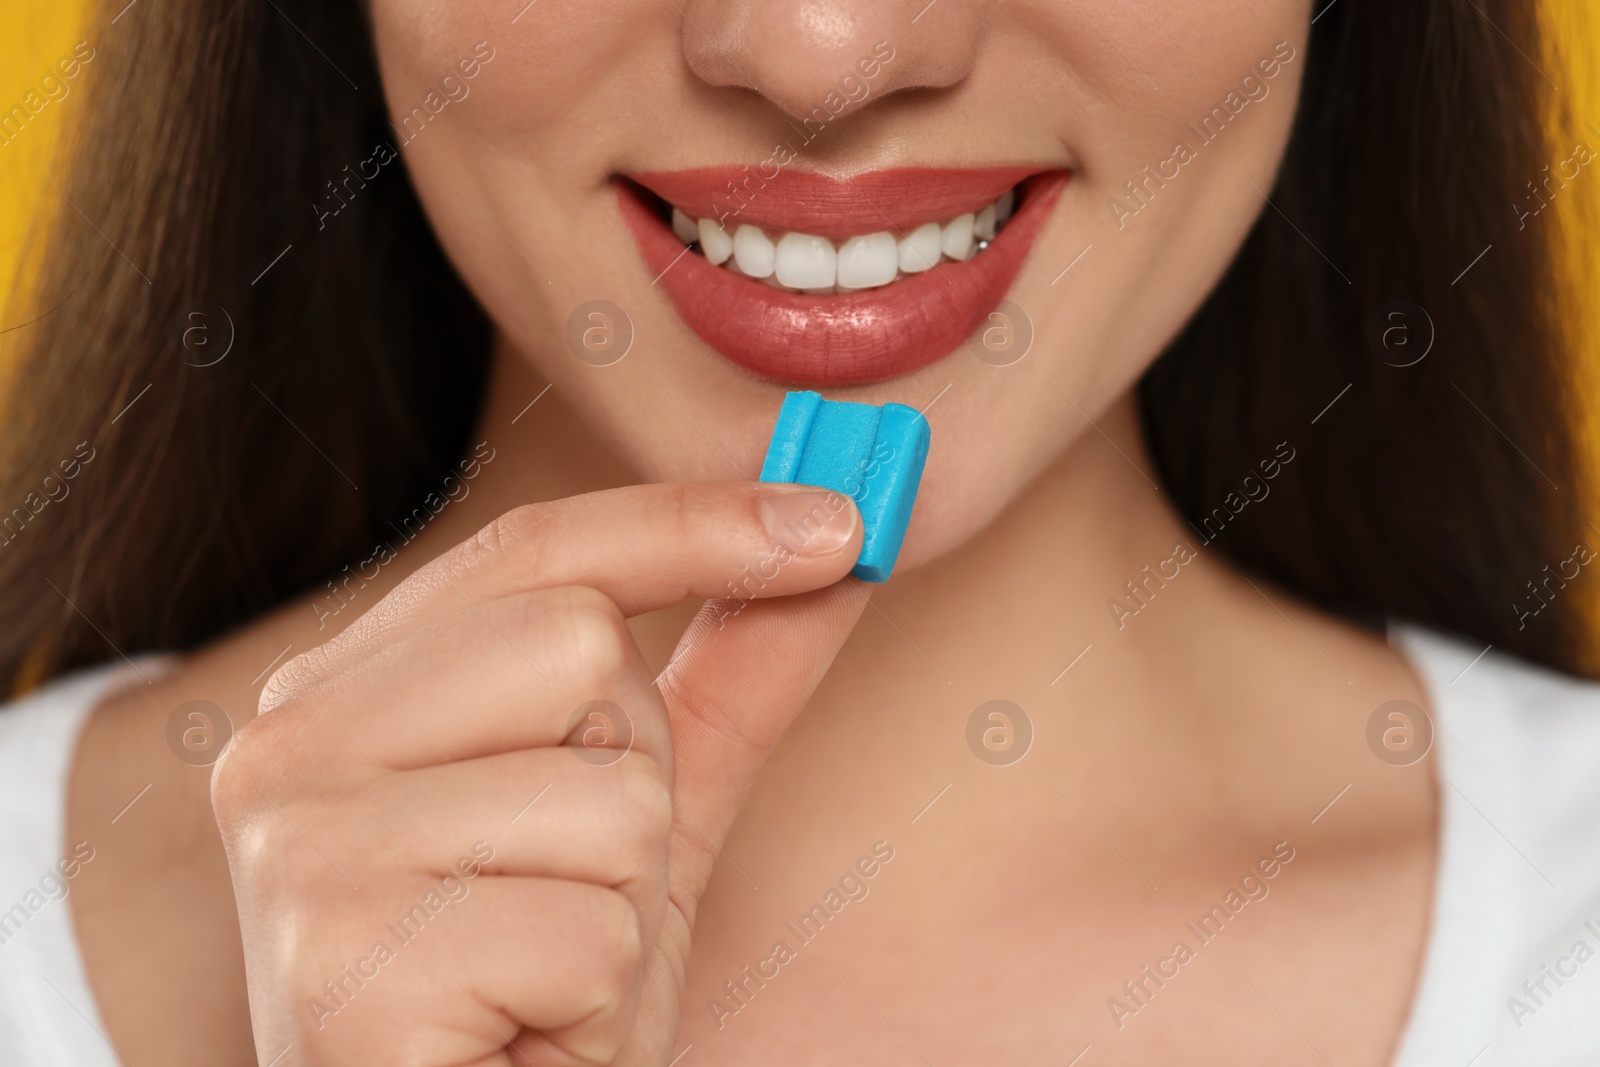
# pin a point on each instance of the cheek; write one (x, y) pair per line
(514, 177)
(550, 68)
(509, 174)
(1172, 132)
(1157, 224)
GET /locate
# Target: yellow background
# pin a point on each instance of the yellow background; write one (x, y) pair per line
(34, 34)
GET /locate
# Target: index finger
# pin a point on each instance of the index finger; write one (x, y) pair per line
(646, 547)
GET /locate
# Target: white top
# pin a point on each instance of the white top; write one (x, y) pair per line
(1511, 976)
(47, 1014)
(1518, 894)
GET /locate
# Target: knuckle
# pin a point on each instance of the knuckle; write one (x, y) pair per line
(609, 972)
(521, 531)
(250, 761)
(682, 503)
(294, 677)
(269, 760)
(623, 947)
(645, 812)
(588, 632)
(514, 540)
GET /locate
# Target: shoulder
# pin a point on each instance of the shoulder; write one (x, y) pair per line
(60, 694)
(44, 997)
(1516, 735)
(1503, 721)
(1512, 972)
(1493, 682)
(37, 732)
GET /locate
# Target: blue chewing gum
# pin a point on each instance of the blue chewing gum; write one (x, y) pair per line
(873, 455)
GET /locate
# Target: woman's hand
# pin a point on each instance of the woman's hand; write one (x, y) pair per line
(472, 829)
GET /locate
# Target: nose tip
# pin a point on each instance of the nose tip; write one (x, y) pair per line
(829, 55)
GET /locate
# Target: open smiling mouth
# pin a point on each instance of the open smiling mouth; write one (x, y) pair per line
(823, 281)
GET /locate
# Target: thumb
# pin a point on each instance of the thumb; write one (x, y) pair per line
(742, 673)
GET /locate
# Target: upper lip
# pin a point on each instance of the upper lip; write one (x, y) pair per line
(809, 202)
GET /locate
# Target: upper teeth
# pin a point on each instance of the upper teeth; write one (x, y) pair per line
(803, 262)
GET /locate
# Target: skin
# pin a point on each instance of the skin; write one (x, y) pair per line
(1177, 753)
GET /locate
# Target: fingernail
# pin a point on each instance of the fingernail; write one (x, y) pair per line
(809, 522)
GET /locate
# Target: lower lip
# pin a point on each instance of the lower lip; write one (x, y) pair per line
(841, 339)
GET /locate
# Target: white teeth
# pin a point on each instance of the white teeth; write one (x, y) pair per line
(687, 229)
(868, 261)
(956, 241)
(920, 251)
(715, 242)
(754, 254)
(983, 225)
(806, 262)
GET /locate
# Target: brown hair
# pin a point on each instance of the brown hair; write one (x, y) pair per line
(1448, 491)
(358, 359)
